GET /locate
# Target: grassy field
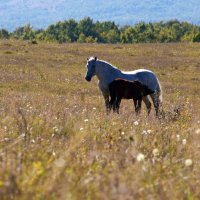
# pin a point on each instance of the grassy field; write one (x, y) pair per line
(56, 141)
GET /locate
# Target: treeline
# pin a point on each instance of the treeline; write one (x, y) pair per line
(88, 31)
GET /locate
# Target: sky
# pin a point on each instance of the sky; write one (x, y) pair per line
(41, 13)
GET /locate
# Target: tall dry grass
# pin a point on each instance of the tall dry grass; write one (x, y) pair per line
(56, 141)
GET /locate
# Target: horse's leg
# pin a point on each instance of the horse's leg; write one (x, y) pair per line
(138, 104)
(155, 100)
(115, 105)
(105, 93)
(135, 104)
(112, 102)
(107, 103)
(147, 103)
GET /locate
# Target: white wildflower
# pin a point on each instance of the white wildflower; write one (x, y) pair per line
(155, 152)
(94, 108)
(33, 141)
(86, 120)
(178, 137)
(23, 135)
(140, 157)
(122, 133)
(197, 131)
(81, 129)
(56, 129)
(188, 162)
(53, 153)
(149, 131)
(6, 139)
(136, 123)
(144, 132)
(184, 141)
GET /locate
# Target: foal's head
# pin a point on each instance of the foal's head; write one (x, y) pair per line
(91, 71)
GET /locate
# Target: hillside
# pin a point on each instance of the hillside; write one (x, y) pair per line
(57, 142)
(40, 14)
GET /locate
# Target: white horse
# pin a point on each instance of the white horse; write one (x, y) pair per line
(106, 73)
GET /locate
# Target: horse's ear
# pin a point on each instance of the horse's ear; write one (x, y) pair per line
(95, 58)
(87, 59)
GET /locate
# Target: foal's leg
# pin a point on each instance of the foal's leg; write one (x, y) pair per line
(117, 104)
(138, 104)
(155, 100)
(135, 104)
(147, 103)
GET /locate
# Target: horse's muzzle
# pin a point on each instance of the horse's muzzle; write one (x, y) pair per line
(87, 78)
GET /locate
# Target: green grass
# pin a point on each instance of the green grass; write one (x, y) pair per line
(56, 141)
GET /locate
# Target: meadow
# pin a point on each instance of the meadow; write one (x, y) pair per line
(57, 142)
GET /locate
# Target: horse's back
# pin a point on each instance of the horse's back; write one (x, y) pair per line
(146, 77)
(137, 71)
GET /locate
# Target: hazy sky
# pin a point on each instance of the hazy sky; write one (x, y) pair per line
(41, 13)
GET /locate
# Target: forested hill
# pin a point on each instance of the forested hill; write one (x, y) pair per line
(42, 13)
(89, 31)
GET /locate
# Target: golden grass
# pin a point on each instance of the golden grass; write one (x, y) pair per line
(56, 141)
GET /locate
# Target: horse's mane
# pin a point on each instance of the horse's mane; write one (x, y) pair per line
(107, 63)
(104, 62)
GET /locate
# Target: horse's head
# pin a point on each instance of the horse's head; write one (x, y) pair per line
(91, 65)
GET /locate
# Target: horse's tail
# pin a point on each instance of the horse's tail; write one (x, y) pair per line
(159, 89)
(160, 99)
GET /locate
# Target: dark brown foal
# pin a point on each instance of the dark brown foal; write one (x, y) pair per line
(124, 89)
